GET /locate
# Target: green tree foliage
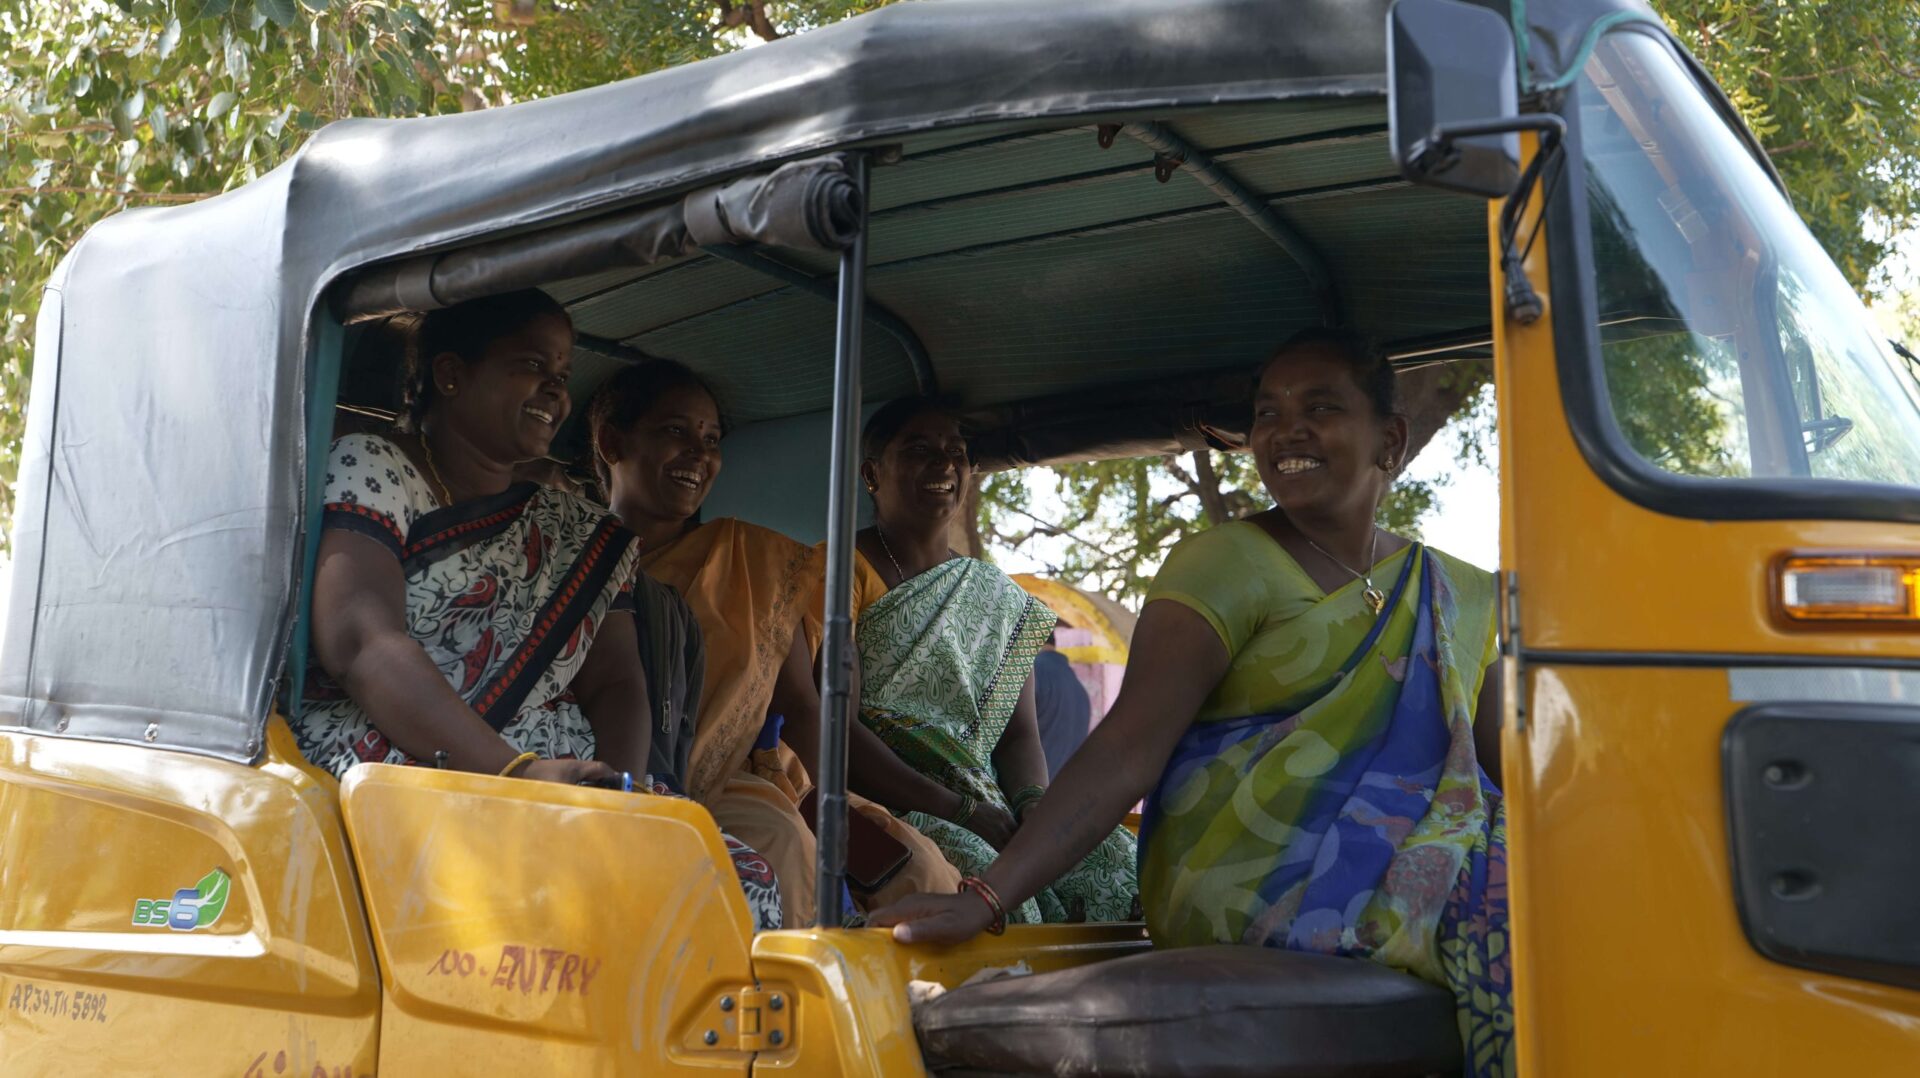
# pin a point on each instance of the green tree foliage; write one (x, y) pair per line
(1833, 91)
(106, 106)
(1115, 520)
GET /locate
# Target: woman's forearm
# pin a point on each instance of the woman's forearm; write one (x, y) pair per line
(1102, 781)
(409, 701)
(612, 689)
(1020, 761)
(876, 773)
(1176, 661)
(873, 771)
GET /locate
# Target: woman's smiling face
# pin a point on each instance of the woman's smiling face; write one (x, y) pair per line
(1318, 442)
(923, 471)
(512, 398)
(664, 463)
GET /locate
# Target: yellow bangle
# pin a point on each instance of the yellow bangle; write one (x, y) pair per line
(514, 765)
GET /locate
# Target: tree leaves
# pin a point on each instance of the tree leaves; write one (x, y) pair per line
(1833, 90)
(221, 104)
(169, 39)
(280, 12)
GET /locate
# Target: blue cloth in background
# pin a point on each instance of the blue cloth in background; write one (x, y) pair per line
(1064, 710)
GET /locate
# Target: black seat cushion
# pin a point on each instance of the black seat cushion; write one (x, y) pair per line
(1224, 1011)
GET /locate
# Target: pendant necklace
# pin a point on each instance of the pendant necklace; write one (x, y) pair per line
(434, 470)
(1376, 600)
(898, 572)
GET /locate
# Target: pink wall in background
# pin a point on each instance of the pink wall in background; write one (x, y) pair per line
(1101, 680)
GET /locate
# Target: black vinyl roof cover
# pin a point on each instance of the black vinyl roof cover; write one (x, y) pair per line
(160, 510)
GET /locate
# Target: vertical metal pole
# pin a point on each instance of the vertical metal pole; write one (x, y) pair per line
(836, 654)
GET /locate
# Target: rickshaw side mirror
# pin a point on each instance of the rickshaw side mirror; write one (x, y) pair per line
(1451, 96)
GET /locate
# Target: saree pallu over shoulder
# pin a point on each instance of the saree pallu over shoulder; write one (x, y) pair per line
(954, 646)
(748, 588)
(1359, 824)
(943, 659)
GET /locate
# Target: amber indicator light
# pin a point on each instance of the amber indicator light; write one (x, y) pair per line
(1850, 587)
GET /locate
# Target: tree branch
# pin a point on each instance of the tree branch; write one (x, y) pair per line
(1791, 147)
(751, 14)
(1211, 499)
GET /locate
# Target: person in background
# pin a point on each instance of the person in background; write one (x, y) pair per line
(1061, 704)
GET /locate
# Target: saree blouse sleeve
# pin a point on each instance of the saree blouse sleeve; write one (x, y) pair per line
(1218, 575)
(867, 585)
(867, 588)
(372, 488)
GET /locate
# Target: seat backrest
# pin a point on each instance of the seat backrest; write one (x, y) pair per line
(1215, 1011)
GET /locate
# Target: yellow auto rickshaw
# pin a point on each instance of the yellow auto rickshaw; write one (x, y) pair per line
(1087, 221)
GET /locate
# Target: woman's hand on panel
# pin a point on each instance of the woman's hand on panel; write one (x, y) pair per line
(928, 918)
(570, 772)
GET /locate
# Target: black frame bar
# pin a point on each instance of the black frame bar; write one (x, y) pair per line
(836, 651)
(896, 327)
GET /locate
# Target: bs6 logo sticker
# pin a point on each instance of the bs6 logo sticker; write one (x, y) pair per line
(193, 907)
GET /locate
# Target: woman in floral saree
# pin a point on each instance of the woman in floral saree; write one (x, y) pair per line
(462, 617)
(947, 646)
(1306, 703)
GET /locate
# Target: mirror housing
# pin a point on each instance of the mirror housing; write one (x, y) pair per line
(1451, 89)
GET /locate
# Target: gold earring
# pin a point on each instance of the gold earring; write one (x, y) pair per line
(1386, 464)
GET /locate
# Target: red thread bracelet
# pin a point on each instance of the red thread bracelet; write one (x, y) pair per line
(985, 890)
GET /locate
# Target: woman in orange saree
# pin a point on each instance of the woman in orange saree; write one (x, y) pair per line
(657, 438)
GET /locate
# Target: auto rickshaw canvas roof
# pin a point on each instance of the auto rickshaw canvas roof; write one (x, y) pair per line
(182, 386)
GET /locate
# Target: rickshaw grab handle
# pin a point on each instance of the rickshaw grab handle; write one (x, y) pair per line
(805, 205)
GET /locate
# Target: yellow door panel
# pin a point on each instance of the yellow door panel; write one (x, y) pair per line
(849, 988)
(546, 929)
(1630, 957)
(1600, 573)
(162, 913)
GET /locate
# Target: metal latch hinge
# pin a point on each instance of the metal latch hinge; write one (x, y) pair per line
(1510, 641)
(757, 1018)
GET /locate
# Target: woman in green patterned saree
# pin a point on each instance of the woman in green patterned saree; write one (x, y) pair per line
(1307, 706)
(947, 646)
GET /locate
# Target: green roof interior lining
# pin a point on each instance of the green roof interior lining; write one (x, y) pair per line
(1033, 263)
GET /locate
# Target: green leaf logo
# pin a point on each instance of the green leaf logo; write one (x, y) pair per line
(213, 888)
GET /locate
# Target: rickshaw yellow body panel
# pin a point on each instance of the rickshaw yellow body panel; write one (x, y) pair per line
(1632, 958)
(532, 928)
(1629, 955)
(280, 980)
(850, 987)
(528, 928)
(521, 928)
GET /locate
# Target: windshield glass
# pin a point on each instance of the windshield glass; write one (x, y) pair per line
(1732, 348)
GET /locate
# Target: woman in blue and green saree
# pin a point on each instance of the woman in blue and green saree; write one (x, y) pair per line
(1307, 710)
(947, 646)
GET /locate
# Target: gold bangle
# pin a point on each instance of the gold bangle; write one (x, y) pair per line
(514, 764)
